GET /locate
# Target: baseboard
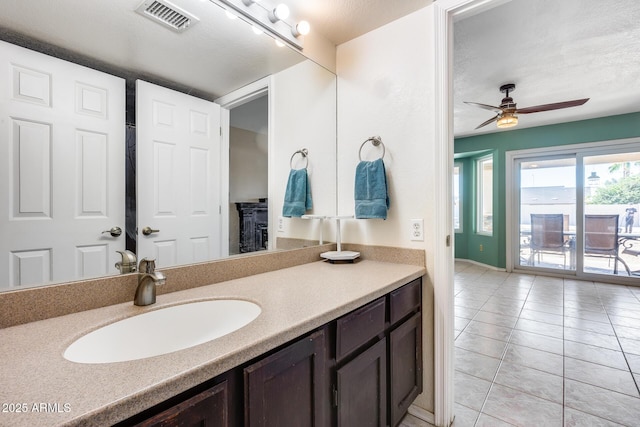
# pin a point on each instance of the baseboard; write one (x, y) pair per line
(422, 414)
(470, 261)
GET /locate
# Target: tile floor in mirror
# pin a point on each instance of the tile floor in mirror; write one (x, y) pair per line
(541, 351)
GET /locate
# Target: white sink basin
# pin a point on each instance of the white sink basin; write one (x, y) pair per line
(162, 331)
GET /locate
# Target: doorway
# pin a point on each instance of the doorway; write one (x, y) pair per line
(248, 176)
(246, 129)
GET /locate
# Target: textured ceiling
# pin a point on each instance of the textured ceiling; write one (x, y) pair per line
(342, 20)
(210, 59)
(553, 51)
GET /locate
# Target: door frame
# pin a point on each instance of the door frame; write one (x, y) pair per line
(227, 102)
(445, 12)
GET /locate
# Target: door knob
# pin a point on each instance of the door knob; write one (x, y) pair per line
(114, 231)
(147, 231)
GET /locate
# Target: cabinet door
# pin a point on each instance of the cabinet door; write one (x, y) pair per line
(208, 408)
(405, 366)
(289, 387)
(362, 389)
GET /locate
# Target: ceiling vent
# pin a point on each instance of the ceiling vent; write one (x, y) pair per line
(167, 14)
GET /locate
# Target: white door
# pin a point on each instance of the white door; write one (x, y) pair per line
(62, 145)
(178, 176)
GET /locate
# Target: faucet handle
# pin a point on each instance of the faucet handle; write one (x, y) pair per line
(147, 266)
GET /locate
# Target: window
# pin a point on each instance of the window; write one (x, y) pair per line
(457, 198)
(484, 196)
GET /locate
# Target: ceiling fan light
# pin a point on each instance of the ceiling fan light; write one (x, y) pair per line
(507, 120)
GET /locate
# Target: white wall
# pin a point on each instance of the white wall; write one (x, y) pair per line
(319, 49)
(248, 172)
(386, 86)
(303, 102)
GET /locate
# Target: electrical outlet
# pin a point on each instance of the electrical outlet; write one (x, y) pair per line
(481, 248)
(281, 224)
(416, 230)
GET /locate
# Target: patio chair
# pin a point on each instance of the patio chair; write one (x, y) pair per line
(601, 238)
(547, 236)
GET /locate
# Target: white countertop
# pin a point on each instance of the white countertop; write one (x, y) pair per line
(35, 377)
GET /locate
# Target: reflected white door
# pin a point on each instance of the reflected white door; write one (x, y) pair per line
(62, 181)
(178, 176)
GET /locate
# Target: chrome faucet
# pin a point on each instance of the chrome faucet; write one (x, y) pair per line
(148, 278)
(128, 263)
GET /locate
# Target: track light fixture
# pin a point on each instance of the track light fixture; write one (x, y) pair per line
(302, 28)
(269, 18)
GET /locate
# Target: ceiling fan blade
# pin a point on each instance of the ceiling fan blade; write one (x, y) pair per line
(547, 107)
(488, 121)
(485, 106)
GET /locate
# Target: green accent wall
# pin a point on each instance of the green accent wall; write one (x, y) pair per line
(468, 150)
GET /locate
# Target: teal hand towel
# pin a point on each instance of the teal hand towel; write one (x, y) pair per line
(297, 196)
(371, 196)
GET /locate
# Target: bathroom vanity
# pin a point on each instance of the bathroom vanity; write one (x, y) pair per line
(364, 368)
(332, 342)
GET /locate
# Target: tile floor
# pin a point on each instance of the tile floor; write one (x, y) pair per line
(541, 351)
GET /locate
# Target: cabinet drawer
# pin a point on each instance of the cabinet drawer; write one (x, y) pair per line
(405, 300)
(357, 328)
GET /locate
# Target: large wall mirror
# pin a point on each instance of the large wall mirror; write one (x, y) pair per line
(262, 103)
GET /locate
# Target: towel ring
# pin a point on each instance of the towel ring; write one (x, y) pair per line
(375, 140)
(303, 152)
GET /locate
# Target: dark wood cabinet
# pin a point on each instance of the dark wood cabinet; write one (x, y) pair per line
(361, 389)
(379, 359)
(289, 388)
(362, 369)
(405, 300)
(208, 408)
(359, 327)
(254, 234)
(405, 366)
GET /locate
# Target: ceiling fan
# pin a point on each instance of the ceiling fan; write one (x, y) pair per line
(507, 111)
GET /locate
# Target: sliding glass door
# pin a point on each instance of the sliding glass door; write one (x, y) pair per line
(611, 206)
(547, 212)
(576, 212)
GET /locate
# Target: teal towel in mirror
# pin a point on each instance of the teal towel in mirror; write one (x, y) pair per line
(297, 197)
(372, 198)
